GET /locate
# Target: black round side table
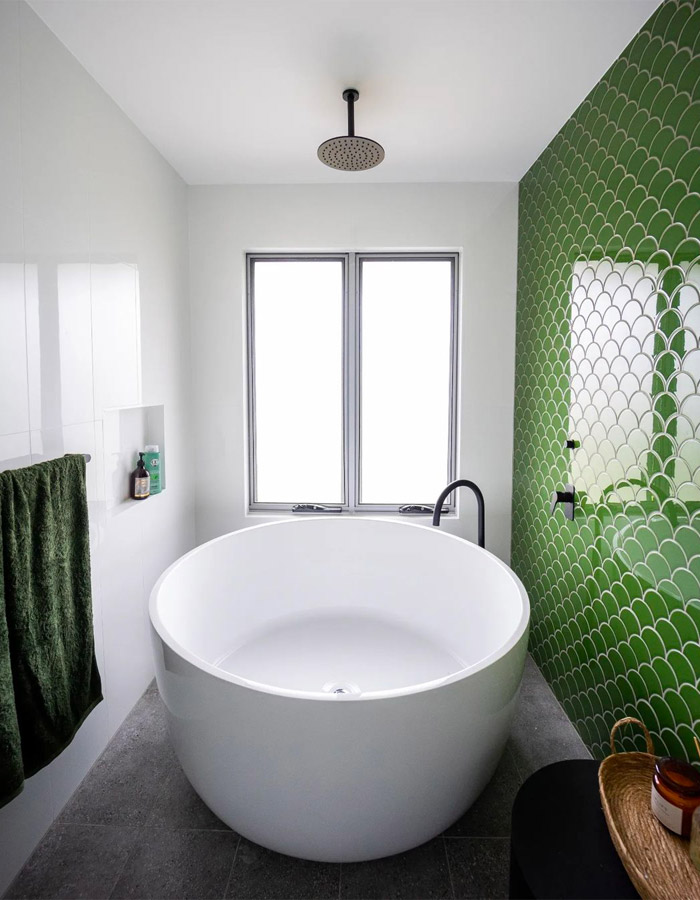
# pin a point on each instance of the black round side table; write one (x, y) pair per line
(560, 846)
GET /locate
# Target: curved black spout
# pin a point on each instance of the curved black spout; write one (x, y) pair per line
(462, 482)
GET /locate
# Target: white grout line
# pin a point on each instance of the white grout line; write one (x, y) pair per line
(449, 870)
(233, 864)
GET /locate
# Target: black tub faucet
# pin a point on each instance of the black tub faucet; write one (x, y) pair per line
(462, 482)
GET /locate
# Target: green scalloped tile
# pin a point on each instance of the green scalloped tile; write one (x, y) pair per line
(641, 611)
(657, 606)
(670, 636)
(619, 185)
(686, 583)
(647, 713)
(681, 667)
(692, 612)
(691, 31)
(694, 569)
(673, 745)
(653, 638)
(659, 566)
(674, 555)
(665, 715)
(651, 679)
(680, 712)
(688, 123)
(645, 574)
(691, 696)
(688, 209)
(666, 674)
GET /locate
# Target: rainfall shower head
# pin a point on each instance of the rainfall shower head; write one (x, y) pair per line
(350, 152)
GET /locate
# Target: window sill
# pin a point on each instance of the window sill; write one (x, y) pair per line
(274, 514)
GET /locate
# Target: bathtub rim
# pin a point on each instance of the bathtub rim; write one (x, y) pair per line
(185, 653)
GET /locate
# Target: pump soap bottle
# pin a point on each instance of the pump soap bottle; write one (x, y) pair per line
(140, 481)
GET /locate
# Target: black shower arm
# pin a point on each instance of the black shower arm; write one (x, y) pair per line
(350, 96)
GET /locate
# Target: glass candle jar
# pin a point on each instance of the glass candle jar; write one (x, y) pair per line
(675, 794)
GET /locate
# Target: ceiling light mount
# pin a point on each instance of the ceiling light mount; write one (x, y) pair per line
(350, 152)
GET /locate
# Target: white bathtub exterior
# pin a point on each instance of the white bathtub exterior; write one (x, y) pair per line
(350, 777)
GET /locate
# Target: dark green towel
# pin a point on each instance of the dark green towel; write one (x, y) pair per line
(49, 680)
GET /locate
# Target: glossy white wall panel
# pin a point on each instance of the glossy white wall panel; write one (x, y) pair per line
(14, 392)
(116, 335)
(168, 544)
(32, 314)
(53, 442)
(479, 219)
(75, 327)
(127, 669)
(68, 769)
(15, 450)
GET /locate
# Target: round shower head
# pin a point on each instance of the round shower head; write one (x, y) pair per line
(351, 152)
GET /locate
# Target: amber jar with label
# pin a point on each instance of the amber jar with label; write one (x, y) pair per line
(675, 794)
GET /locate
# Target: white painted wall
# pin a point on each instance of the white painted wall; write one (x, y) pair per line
(478, 219)
(93, 241)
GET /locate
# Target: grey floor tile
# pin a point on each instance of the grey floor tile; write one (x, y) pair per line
(479, 867)
(542, 733)
(490, 815)
(532, 677)
(260, 874)
(179, 864)
(178, 805)
(415, 875)
(75, 861)
(146, 724)
(125, 782)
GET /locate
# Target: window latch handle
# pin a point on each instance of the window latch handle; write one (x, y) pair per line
(416, 509)
(315, 508)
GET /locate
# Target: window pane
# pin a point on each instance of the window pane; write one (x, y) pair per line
(405, 369)
(298, 354)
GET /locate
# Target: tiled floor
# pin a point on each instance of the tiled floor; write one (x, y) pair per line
(135, 828)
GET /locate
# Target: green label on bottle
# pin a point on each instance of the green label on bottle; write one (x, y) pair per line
(152, 461)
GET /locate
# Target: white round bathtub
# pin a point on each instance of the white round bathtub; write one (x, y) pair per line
(339, 689)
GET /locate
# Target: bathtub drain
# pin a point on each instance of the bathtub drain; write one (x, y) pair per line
(341, 687)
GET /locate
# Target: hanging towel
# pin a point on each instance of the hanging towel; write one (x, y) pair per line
(49, 681)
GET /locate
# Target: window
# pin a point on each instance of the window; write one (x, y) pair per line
(352, 364)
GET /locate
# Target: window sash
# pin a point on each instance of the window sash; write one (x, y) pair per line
(351, 365)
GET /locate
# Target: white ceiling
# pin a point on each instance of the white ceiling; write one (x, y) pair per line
(243, 91)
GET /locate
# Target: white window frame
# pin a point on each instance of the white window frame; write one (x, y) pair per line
(352, 349)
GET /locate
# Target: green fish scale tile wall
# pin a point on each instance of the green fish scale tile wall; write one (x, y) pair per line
(608, 354)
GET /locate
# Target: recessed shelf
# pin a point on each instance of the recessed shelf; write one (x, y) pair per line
(127, 430)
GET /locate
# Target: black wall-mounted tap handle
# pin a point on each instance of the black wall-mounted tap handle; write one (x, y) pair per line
(567, 497)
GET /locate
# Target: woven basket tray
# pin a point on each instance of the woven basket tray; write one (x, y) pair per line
(657, 861)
